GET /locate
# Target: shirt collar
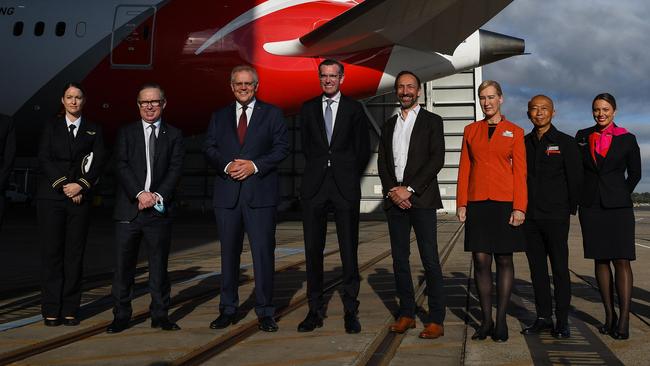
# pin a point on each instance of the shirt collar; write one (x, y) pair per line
(415, 111)
(551, 134)
(249, 105)
(76, 122)
(145, 125)
(336, 98)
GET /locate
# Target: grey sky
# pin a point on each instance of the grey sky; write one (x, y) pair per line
(579, 48)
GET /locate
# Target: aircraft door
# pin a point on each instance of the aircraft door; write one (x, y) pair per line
(132, 38)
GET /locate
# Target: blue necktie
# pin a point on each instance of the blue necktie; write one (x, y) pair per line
(328, 120)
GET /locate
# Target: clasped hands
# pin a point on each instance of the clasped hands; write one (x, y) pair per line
(240, 169)
(73, 191)
(147, 200)
(401, 197)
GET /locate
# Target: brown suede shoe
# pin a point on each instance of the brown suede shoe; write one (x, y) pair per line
(402, 324)
(432, 331)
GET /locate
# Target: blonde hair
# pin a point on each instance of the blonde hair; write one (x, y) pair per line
(488, 83)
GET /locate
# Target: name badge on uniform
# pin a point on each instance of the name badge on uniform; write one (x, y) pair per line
(507, 133)
(552, 149)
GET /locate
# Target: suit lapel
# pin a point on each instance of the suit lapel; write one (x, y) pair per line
(587, 149)
(418, 129)
(255, 120)
(320, 119)
(161, 142)
(138, 134)
(339, 120)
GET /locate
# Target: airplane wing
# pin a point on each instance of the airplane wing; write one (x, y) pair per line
(427, 25)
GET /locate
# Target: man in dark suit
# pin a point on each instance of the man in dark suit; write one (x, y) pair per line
(411, 153)
(335, 141)
(553, 180)
(149, 160)
(246, 142)
(7, 154)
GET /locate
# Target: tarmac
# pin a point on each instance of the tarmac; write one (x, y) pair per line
(194, 267)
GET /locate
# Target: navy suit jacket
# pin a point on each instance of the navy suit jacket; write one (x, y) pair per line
(131, 167)
(348, 152)
(266, 144)
(607, 182)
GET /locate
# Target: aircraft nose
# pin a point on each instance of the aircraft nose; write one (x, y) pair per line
(496, 46)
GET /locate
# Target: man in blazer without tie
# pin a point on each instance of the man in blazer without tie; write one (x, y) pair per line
(411, 153)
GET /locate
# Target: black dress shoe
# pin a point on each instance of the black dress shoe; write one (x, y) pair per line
(311, 322)
(483, 332)
(540, 325)
(71, 322)
(164, 324)
(267, 324)
(52, 322)
(223, 321)
(117, 326)
(561, 332)
(352, 325)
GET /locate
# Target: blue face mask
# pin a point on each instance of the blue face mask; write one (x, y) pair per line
(160, 207)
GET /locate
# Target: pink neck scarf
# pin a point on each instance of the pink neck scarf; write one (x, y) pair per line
(600, 141)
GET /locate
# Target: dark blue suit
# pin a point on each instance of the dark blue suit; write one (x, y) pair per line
(248, 205)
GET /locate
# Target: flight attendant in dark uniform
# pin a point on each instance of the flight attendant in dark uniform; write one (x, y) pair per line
(71, 156)
(612, 168)
(491, 199)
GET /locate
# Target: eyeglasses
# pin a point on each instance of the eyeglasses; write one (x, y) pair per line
(247, 84)
(330, 76)
(150, 103)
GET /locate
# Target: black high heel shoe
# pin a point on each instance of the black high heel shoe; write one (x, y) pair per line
(500, 334)
(483, 332)
(608, 328)
(620, 336)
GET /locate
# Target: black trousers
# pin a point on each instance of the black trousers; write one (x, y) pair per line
(63, 228)
(423, 221)
(156, 232)
(259, 224)
(314, 222)
(548, 238)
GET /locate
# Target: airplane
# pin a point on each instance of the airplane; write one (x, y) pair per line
(190, 46)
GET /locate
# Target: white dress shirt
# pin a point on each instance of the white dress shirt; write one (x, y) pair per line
(335, 107)
(76, 123)
(402, 140)
(249, 111)
(147, 133)
(249, 115)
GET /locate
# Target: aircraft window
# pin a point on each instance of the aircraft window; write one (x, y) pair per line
(39, 28)
(18, 28)
(81, 29)
(60, 29)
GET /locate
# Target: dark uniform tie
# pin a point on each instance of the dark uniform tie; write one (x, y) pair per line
(152, 147)
(328, 120)
(242, 126)
(71, 133)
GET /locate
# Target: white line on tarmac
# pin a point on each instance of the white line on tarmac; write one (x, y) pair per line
(641, 245)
